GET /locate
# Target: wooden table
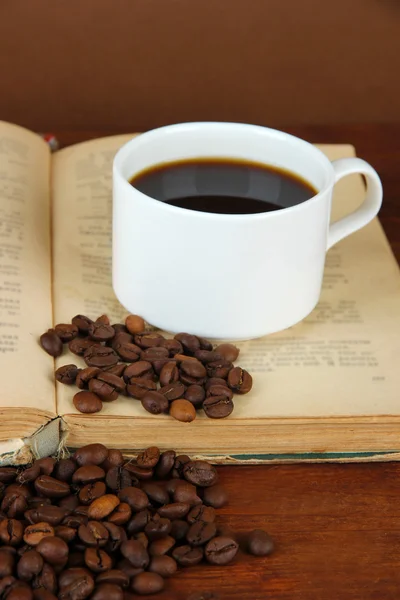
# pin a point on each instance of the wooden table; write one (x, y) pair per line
(336, 527)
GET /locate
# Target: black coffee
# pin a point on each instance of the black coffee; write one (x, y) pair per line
(225, 186)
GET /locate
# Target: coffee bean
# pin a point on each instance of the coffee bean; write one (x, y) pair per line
(103, 319)
(8, 474)
(137, 472)
(114, 459)
(259, 543)
(33, 534)
(101, 332)
(218, 407)
(107, 591)
(136, 498)
(190, 343)
(118, 478)
(148, 340)
(147, 583)
(200, 533)
(201, 513)
(128, 352)
(79, 345)
(204, 343)
(189, 380)
(100, 356)
(97, 560)
(29, 565)
(13, 505)
(175, 510)
(215, 381)
(215, 496)
(163, 565)
(91, 454)
(51, 487)
(165, 464)
(179, 530)
(88, 474)
(156, 492)
(46, 465)
(138, 521)
(70, 575)
(135, 324)
(154, 402)
(154, 354)
(70, 502)
(239, 380)
(182, 410)
(117, 536)
(196, 395)
(173, 347)
(193, 368)
(23, 490)
(106, 392)
(228, 351)
(93, 534)
(161, 546)
(221, 550)
(185, 492)
(53, 550)
(139, 387)
(46, 579)
(219, 390)
(157, 527)
(142, 369)
(51, 343)
(53, 515)
(186, 556)
(206, 356)
(117, 369)
(128, 569)
(85, 375)
(142, 538)
(123, 337)
(7, 562)
(219, 368)
(92, 491)
(148, 458)
(169, 374)
(67, 534)
(173, 391)
(200, 473)
(101, 507)
(116, 576)
(87, 402)
(79, 589)
(67, 374)
(82, 323)
(135, 553)
(121, 514)
(75, 521)
(42, 594)
(66, 331)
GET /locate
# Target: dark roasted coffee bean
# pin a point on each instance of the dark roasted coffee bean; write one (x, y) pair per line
(79, 588)
(8, 474)
(201, 513)
(148, 339)
(155, 491)
(139, 387)
(128, 569)
(127, 351)
(239, 380)
(200, 533)
(51, 343)
(165, 464)
(117, 369)
(175, 510)
(215, 381)
(103, 319)
(148, 458)
(173, 347)
(64, 469)
(173, 391)
(101, 332)
(79, 345)
(74, 521)
(200, 473)
(186, 556)
(135, 552)
(67, 534)
(70, 502)
(118, 478)
(186, 492)
(93, 534)
(158, 363)
(196, 395)
(71, 574)
(120, 328)
(100, 356)
(206, 356)
(47, 514)
(107, 591)
(219, 368)
(91, 454)
(46, 579)
(142, 538)
(87, 402)
(15, 590)
(42, 594)
(106, 392)
(29, 565)
(14, 505)
(85, 375)
(121, 514)
(169, 374)
(163, 565)
(103, 506)
(92, 491)
(155, 403)
(219, 390)
(179, 530)
(218, 407)
(193, 368)
(46, 465)
(228, 351)
(33, 534)
(137, 473)
(136, 498)
(82, 323)
(138, 522)
(36, 501)
(142, 369)
(88, 474)
(259, 543)
(123, 337)
(116, 576)
(51, 487)
(67, 374)
(180, 462)
(205, 344)
(114, 459)
(66, 332)
(117, 536)
(157, 527)
(135, 324)
(21, 489)
(82, 511)
(147, 583)
(161, 546)
(190, 343)
(97, 560)
(7, 563)
(182, 410)
(215, 496)
(54, 550)
(221, 550)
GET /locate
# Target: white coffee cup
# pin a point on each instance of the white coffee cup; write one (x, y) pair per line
(223, 275)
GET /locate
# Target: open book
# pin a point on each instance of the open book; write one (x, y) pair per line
(327, 388)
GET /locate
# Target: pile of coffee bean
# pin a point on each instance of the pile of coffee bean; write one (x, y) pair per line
(97, 526)
(176, 376)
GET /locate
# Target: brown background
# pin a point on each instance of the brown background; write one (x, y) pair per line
(136, 64)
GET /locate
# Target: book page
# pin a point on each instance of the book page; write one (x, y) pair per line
(340, 361)
(25, 271)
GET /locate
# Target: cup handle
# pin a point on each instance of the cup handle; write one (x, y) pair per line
(369, 208)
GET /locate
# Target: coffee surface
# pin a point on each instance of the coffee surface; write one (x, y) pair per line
(224, 186)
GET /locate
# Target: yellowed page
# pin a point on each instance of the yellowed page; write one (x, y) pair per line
(25, 275)
(341, 361)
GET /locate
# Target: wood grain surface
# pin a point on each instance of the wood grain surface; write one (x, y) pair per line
(336, 527)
